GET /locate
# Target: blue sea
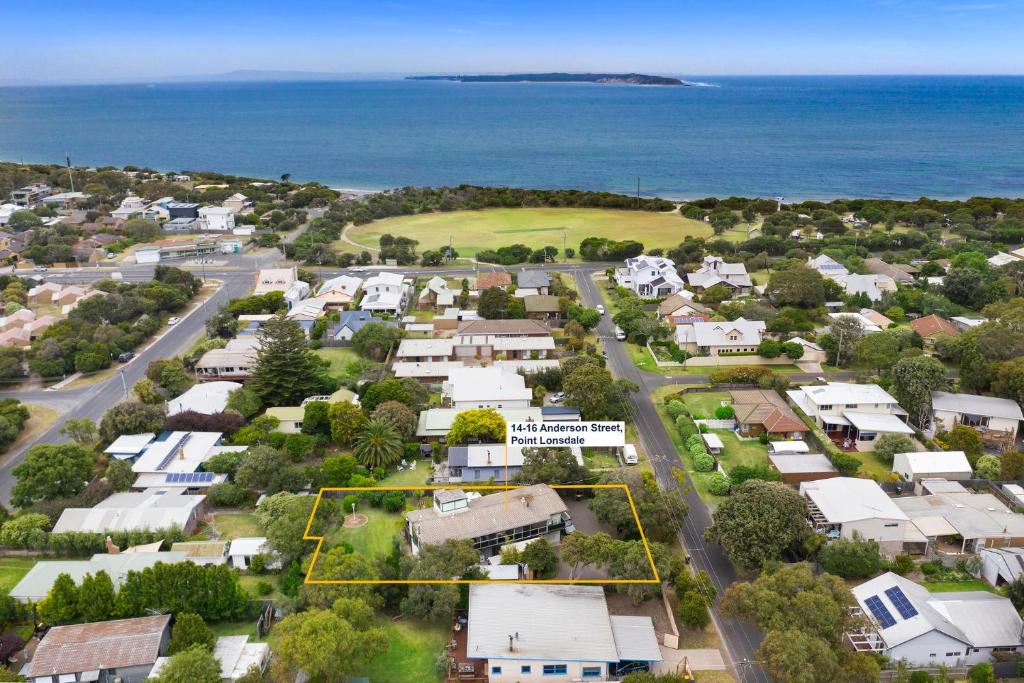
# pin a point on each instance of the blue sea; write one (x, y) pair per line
(799, 137)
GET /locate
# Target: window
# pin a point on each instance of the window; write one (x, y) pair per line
(554, 669)
(525, 669)
(591, 672)
(495, 670)
(866, 436)
(851, 405)
(827, 406)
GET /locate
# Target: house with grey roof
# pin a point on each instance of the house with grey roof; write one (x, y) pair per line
(559, 633)
(720, 338)
(715, 271)
(36, 584)
(650, 276)
(827, 266)
(351, 322)
(912, 624)
(996, 419)
(483, 462)
(491, 521)
(534, 279)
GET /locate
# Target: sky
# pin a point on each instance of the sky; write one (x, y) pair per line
(73, 41)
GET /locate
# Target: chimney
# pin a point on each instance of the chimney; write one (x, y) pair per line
(511, 647)
(488, 456)
(111, 548)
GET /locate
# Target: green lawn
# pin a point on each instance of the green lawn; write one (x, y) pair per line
(233, 525)
(345, 363)
(957, 586)
(416, 477)
(599, 459)
(475, 231)
(373, 539)
(249, 581)
(413, 649)
(13, 569)
(235, 628)
(705, 403)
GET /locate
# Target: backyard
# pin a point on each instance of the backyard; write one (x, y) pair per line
(413, 650)
(231, 525)
(475, 231)
(373, 539)
(346, 364)
(13, 569)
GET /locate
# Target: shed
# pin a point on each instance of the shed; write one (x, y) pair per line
(918, 465)
(714, 443)
(788, 447)
(800, 467)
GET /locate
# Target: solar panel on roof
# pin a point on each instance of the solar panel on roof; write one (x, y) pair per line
(189, 477)
(881, 612)
(900, 601)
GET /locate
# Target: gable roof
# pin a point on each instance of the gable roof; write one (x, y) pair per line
(767, 408)
(880, 267)
(989, 406)
(99, 646)
(748, 332)
(520, 327)
(533, 278)
(677, 301)
(498, 278)
(932, 325)
(848, 499)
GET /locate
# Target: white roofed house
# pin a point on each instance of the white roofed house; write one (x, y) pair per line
(150, 510)
(491, 521)
(715, 271)
(996, 419)
(339, 292)
(842, 507)
(652, 277)
(174, 460)
(468, 388)
(206, 398)
(853, 415)
(955, 521)
(485, 461)
(234, 362)
(911, 624)
(436, 295)
(217, 219)
(424, 350)
(867, 325)
(385, 292)
(872, 285)
(284, 280)
(720, 338)
(522, 633)
(827, 266)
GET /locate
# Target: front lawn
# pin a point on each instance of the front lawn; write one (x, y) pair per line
(958, 586)
(232, 525)
(374, 538)
(413, 650)
(13, 570)
(599, 459)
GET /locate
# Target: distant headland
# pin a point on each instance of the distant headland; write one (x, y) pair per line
(631, 79)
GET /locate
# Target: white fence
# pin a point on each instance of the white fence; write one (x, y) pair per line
(718, 424)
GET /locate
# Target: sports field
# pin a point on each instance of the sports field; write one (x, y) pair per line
(473, 231)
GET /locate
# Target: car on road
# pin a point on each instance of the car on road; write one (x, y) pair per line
(557, 397)
(110, 254)
(125, 357)
(173, 321)
(40, 269)
(600, 308)
(620, 334)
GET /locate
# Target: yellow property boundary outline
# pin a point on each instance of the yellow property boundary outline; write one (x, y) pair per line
(335, 582)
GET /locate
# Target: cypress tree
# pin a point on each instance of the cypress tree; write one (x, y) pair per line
(286, 370)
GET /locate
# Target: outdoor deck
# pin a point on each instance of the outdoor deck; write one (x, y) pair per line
(841, 439)
(463, 668)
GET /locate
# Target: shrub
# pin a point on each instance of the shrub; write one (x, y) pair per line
(347, 503)
(851, 558)
(228, 495)
(724, 412)
(981, 673)
(694, 441)
(763, 439)
(902, 565)
(685, 426)
(675, 408)
(264, 588)
(702, 462)
(932, 568)
(845, 463)
(718, 484)
(741, 375)
(394, 501)
(258, 564)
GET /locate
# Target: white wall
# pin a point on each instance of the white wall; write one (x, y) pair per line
(511, 671)
(890, 538)
(932, 648)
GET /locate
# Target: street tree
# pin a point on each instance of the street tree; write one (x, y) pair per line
(51, 471)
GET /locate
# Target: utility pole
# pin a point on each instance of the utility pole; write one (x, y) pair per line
(71, 178)
(124, 384)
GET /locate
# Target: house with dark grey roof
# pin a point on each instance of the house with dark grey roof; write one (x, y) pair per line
(996, 419)
(351, 322)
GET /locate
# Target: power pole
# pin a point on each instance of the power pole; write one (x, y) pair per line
(124, 384)
(71, 178)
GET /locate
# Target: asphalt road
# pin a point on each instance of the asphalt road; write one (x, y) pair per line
(93, 400)
(740, 639)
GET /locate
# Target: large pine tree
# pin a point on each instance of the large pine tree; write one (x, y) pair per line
(286, 370)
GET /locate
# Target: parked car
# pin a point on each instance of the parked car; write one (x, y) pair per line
(125, 357)
(557, 397)
(600, 308)
(629, 455)
(173, 321)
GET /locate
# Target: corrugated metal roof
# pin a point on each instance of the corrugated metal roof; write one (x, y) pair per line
(103, 645)
(635, 639)
(556, 623)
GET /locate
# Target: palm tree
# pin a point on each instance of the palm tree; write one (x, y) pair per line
(377, 444)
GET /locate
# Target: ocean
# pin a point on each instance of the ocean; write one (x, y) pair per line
(798, 137)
